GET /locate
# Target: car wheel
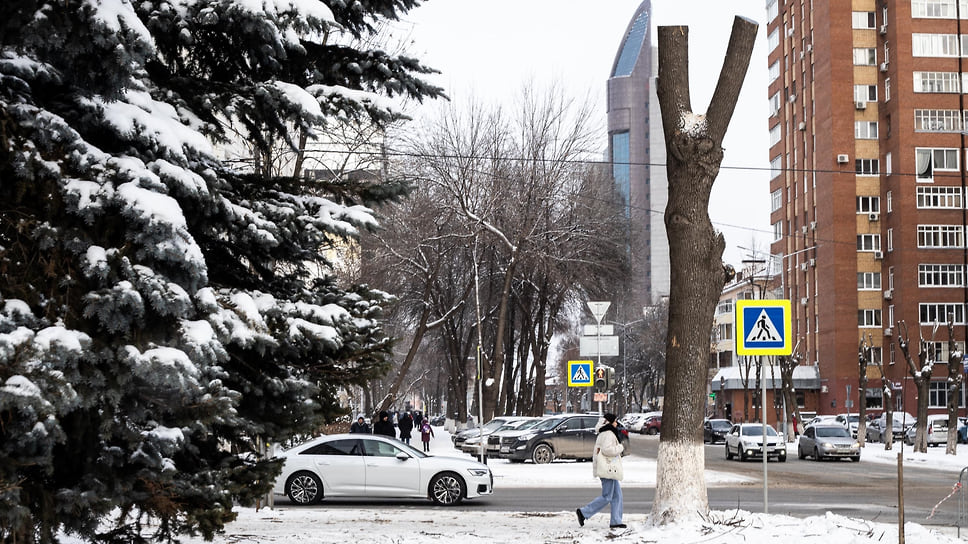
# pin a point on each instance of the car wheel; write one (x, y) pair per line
(816, 454)
(800, 454)
(781, 458)
(543, 454)
(855, 458)
(729, 454)
(742, 453)
(653, 431)
(304, 488)
(446, 489)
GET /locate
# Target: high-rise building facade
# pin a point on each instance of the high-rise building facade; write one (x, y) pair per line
(868, 184)
(633, 124)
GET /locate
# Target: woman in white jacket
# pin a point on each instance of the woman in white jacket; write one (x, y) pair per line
(607, 466)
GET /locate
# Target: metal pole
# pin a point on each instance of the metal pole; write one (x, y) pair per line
(480, 406)
(766, 508)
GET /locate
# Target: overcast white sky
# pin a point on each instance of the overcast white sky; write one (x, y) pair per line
(491, 48)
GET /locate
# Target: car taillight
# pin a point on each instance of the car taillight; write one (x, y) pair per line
(625, 432)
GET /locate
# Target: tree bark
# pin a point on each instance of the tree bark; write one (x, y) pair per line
(694, 150)
(955, 380)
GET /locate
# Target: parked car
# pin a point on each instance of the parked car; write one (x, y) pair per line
(936, 429)
(849, 422)
(512, 429)
(652, 425)
(570, 436)
(634, 421)
(715, 430)
(354, 465)
(819, 420)
(828, 441)
(876, 428)
(484, 430)
(471, 444)
(437, 421)
(745, 440)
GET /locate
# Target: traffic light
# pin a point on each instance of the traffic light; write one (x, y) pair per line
(604, 378)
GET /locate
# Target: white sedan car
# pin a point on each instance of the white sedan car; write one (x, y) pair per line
(355, 465)
(745, 440)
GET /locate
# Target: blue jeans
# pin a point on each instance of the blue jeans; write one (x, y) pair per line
(611, 494)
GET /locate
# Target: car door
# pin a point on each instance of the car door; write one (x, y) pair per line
(387, 475)
(339, 464)
(568, 439)
(807, 440)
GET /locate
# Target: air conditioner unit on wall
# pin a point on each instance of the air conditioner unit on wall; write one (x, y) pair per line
(813, 263)
(878, 255)
(883, 29)
(843, 158)
(883, 66)
(889, 294)
(803, 229)
(860, 104)
(888, 331)
(803, 266)
(813, 225)
(874, 216)
(804, 301)
(802, 126)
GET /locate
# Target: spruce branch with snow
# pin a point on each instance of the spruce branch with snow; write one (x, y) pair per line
(161, 310)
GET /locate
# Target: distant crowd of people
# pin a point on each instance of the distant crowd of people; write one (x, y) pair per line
(406, 423)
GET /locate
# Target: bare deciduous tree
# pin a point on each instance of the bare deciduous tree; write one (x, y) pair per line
(694, 150)
(921, 372)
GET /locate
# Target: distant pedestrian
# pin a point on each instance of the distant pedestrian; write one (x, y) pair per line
(384, 426)
(406, 427)
(426, 431)
(360, 426)
(417, 419)
(607, 466)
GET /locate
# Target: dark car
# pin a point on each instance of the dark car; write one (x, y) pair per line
(715, 430)
(558, 437)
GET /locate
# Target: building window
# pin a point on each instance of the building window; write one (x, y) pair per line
(939, 197)
(775, 104)
(865, 56)
(773, 41)
(774, 71)
(941, 275)
(868, 204)
(771, 10)
(621, 168)
(867, 167)
(938, 351)
(774, 134)
(890, 239)
(874, 397)
(868, 242)
(928, 160)
(937, 120)
(934, 45)
(863, 19)
(865, 130)
(939, 236)
(865, 93)
(938, 395)
(887, 89)
(776, 200)
(890, 201)
(937, 9)
(868, 317)
(776, 166)
(869, 281)
(936, 82)
(941, 312)
(777, 230)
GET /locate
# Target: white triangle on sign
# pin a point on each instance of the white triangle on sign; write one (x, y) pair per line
(598, 309)
(579, 375)
(763, 330)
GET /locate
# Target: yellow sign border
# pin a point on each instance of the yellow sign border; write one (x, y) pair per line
(591, 373)
(787, 329)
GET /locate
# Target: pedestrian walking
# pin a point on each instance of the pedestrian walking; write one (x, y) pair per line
(426, 431)
(607, 466)
(406, 427)
(384, 426)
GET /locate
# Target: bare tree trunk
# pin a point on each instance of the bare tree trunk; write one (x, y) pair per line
(922, 380)
(694, 150)
(863, 360)
(955, 380)
(787, 365)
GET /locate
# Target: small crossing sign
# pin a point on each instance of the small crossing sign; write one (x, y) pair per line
(580, 373)
(763, 327)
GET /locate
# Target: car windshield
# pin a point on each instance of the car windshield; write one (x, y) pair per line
(831, 432)
(757, 430)
(546, 424)
(853, 419)
(720, 424)
(528, 424)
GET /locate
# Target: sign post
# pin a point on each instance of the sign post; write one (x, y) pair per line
(598, 310)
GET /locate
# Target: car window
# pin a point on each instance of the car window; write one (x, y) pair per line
(756, 430)
(335, 447)
(379, 448)
(571, 424)
(589, 422)
(831, 432)
(547, 424)
(809, 432)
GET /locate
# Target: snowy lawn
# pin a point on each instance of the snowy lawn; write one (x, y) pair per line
(428, 524)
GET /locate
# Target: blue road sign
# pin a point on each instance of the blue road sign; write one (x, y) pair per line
(763, 327)
(580, 373)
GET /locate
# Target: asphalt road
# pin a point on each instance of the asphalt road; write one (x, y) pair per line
(796, 487)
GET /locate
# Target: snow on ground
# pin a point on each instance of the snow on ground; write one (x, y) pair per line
(414, 523)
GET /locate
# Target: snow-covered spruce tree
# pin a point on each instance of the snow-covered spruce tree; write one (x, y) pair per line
(160, 311)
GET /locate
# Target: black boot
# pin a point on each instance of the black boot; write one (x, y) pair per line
(581, 517)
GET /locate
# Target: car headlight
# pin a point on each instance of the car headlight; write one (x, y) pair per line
(479, 472)
(526, 437)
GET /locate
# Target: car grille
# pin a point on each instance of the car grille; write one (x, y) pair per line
(493, 440)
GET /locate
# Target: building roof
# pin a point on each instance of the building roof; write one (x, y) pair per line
(804, 377)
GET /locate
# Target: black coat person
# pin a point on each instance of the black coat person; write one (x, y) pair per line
(384, 426)
(406, 426)
(360, 426)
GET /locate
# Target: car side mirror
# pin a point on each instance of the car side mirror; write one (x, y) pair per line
(402, 456)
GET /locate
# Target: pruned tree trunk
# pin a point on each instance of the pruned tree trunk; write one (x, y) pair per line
(955, 380)
(787, 365)
(863, 361)
(921, 372)
(694, 150)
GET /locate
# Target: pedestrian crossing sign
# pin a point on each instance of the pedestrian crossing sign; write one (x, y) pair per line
(580, 373)
(763, 327)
